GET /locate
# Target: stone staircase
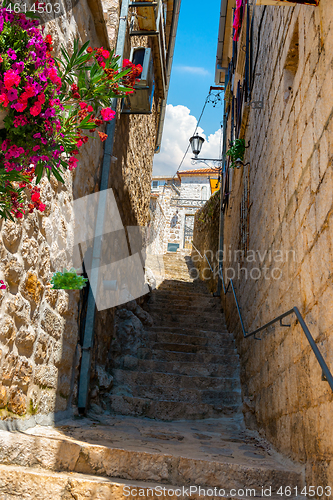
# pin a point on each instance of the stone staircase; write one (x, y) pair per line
(185, 378)
(188, 367)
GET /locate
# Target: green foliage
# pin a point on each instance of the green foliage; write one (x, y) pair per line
(68, 280)
(236, 150)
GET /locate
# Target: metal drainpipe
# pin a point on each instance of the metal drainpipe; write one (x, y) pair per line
(221, 229)
(171, 48)
(91, 306)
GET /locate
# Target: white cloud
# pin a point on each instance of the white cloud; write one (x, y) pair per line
(193, 70)
(179, 126)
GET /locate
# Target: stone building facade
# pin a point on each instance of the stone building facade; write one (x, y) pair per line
(41, 328)
(174, 202)
(278, 222)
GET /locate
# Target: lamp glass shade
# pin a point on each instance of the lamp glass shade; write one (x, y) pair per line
(196, 142)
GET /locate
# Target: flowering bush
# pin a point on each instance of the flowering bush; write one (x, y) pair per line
(50, 102)
(68, 280)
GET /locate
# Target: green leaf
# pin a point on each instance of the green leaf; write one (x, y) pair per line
(39, 172)
(57, 175)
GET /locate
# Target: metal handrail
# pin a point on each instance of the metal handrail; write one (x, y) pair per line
(195, 248)
(327, 376)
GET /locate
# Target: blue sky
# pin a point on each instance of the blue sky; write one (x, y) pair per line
(196, 45)
(192, 75)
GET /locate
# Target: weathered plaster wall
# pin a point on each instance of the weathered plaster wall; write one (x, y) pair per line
(291, 193)
(39, 326)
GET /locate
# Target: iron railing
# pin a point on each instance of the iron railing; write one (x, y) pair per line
(327, 376)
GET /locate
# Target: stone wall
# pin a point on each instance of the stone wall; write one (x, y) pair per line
(206, 241)
(288, 191)
(39, 326)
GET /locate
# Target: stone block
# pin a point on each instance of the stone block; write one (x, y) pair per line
(11, 234)
(25, 339)
(32, 288)
(29, 251)
(7, 328)
(46, 376)
(17, 401)
(52, 323)
(3, 396)
(13, 272)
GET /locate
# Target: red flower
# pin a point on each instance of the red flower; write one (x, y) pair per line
(41, 207)
(2, 285)
(1, 60)
(102, 136)
(83, 105)
(90, 109)
(105, 53)
(36, 109)
(89, 50)
(35, 197)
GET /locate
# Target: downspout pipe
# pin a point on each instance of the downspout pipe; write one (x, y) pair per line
(221, 228)
(96, 254)
(171, 50)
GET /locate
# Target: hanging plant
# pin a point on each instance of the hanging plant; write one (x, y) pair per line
(236, 151)
(46, 105)
(68, 280)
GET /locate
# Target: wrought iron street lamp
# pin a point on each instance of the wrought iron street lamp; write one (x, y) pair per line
(196, 142)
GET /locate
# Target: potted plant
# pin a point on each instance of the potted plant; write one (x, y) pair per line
(68, 280)
(236, 152)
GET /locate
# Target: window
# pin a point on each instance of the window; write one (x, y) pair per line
(154, 184)
(204, 193)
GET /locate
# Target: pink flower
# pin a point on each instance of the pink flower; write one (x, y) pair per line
(83, 105)
(36, 148)
(79, 143)
(41, 207)
(11, 78)
(90, 109)
(105, 53)
(2, 285)
(107, 114)
(72, 162)
(12, 94)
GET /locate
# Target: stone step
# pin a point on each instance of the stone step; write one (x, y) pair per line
(72, 455)
(215, 340)
(187, 321)
(208, 309)
(157, 380)
(227, 369)
(38, 483)
(229, 355)
(167, 410)
(179, 294)
(190, 348)
(231, 395)
(191, 330)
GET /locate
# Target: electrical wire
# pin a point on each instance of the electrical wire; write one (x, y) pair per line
(196, 128)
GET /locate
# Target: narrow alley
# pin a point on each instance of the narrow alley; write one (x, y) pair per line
(186, 381)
